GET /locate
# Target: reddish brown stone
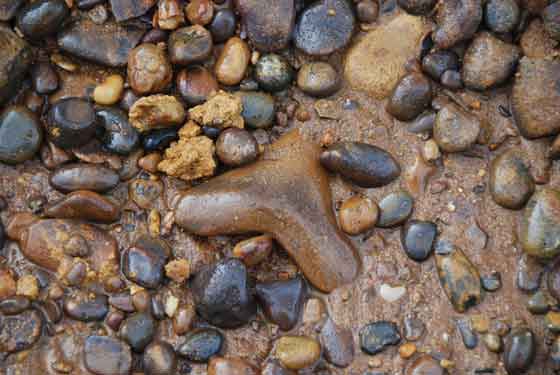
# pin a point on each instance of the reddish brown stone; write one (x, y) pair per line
(85, 205)
(127, 9)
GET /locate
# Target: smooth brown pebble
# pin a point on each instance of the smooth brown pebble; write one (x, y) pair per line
(358, 214)
(232, 63)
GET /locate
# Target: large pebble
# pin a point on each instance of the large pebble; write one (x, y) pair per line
(20, 135)
(488, 62)
(269, 24)
(230, 366)
(325, 27)
(149, 70)
(223, 25)
(71, 123)
(395, 209)
(15, 59)
(144, 260)
(455, 130)
(425, 365)
(9, 8)
(529, 273)
(417, 238)
(44, 78)
(119, 136)
(520, 351)
(104, 355)
(14, 305)
(20, 332)
(84, 205)
(376, 63)
(297, 352)
(410, 97)
(108, 44)
(159, 359)
(501, 16)
(282, 301)
(318, 79)
(436, 63)
(535, 100)
(236, 147)
(258, 108)
(127, 9)
(159, 140)
(85, 307)
(138, 330)
(357, 215)
(365, 165)
(417, 7)
(376, 337)
(222, 294)
(511, 185)
(155, 112)
(459, 278)
(188, 45)
(458, 20)
(201, 344)
(539, 232)
(338, 344)
(42, 18)
(196, 84)
(84, 177)
(273, 72)
(233, 61)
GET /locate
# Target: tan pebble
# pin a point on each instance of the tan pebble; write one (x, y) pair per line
(28, 286)
(170, 14)
(155, 112)
(407, 350)
(63, 63)
(110, 91)
(55, 291)
(7, 284)
(232, 63)
(154, 221)
(447, 364)
(171, 305)
(230, 366)
(302, 114)
(183, 319)
(167, 223)
(178, 270)
(358, 214)
(297, 352)
(375, 363)
(431, 150)
(313, 311)
(327, 139)
(451, 207)
(149, 162)
(480, 323)
(200, 12)
(253, 250)
(255, 56)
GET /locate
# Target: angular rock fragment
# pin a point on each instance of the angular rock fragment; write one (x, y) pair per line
(221, 110)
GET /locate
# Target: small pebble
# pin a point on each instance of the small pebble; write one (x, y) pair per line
(273, 72)
(357, 215)
(297, 352)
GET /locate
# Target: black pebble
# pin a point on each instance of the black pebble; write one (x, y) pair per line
(375, 337)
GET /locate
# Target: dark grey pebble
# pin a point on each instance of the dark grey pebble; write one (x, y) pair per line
(201, 344)
(138, 331)
(282, 301)
(417, 238)
(395, 209)
(375, 337)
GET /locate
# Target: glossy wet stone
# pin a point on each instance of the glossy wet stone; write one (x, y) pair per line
(287, 164)
(395, 209)
(71, 123)
(222, 294)
(538, 303)
(138, 330)
(386, 60)
(44, 79)
(501, 16)
(8, 9)
(149, 70)
(258, 108)
(492, 282)
(15, 59)
(297, 352)
(269, 25)
(534, 101)
(470, 339)
(282, 301)
(455, 130)
(196, 84)
(457, 20)
(223, 25)
(520, 351)
(365, 165)
(410, 97)
(413, 327)
(143, 262)
(376, 337)
(145, 192)
(85, 205)
(15, 305)
(42, 18)
(84, 177)
(357, 215)
(85, 307)
(108, 44)
(425, 365)
(253, 250)
(20, 332)
(230, 366)
(189, 45)
(529, 273)
(159, 139)
(324, 27)
(43, 242)
(417, 239)
(539, 232)
(436, 63)
(119, 136)
(20, 135)
(337, 343)
(417, 7)
(488, 62)
(510, 183)
(159, 359)
(318, 79)
(127, 9)
(232, 62)
(201, 344)
(105, 355)
(273, 72)
(236, 147)
(459, 278)
(274, 367)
